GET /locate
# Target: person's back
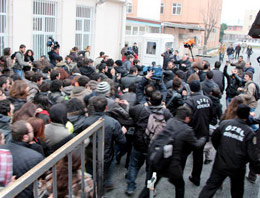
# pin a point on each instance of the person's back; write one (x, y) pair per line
(208, 84)
(218, 76)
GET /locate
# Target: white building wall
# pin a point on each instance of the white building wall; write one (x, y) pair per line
(106, 25)
(22, 24)
(149, 9)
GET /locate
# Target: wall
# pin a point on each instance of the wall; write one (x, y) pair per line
(149, 9)
(106, 25)
(248, 21)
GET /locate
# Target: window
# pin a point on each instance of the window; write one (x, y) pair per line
(129, 8)
(83, 27)
(128, 30)
(141, 30)
(44, 25)
(3, 25)
(154, 29)
(162, 8)
(176, 8)
(151, 48)
(135, 30)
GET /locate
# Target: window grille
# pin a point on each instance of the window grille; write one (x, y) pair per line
(44, 25)
(3, 25)
(176, 8)
(83, 27)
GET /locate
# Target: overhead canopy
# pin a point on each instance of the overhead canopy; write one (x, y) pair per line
(254, 31)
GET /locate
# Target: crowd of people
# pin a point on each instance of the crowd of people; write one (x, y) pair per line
(45, 103)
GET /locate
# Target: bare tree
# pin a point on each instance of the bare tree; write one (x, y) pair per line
(211, 17)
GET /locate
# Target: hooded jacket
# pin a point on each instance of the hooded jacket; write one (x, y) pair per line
(80, 93)
(140, 114)
(208, 85)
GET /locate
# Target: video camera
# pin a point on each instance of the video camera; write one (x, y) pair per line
(157, 71)
(129, 51)
(52, 43)
(189, 44)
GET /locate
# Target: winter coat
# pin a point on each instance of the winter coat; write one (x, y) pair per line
(86, 70)
(121, 70)
(127, 65)
(54, 133)
(249, 94)
(56, 97)
(33, 90)
(17, 102)
(186, 64)
(113, 134)
(140, 115)
(129, 80)
(80, 93)
(207, 86)
(177, 101)
(249, 69)
(238, 49)
(230, 50)
(202, 113)
(218, 78)
(77, 120)
(53, 56)
(130, 97)
(24, 159)
(67, 90)
(5, 127)
(235, 143)
(233, 83)
(64, 66)
(169, 74)
(216, 109)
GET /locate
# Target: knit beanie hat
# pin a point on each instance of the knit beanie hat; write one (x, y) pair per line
(119, 63)
(195, 86)
(243, 111)
(103, 88)
(93, 84)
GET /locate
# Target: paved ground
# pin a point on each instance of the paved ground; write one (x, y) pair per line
(165, 189)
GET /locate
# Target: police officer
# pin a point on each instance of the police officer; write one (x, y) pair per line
(201, 117)
(235, 143)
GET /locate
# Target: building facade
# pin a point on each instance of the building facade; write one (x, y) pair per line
(72, 23)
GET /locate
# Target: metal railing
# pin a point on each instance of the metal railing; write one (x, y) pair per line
(31, 177)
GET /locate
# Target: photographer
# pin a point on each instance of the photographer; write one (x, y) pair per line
(167, 56)
(184, 63)
(233, 83)
(53, 55)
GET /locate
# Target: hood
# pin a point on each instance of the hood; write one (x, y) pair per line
(157, 109)
(78, 90)
(68, 89)
(58, 113)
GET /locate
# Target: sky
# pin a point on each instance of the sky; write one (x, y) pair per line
(233, 10)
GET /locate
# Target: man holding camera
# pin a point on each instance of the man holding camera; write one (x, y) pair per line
(167, 56)
(240, 64)
(53, 55)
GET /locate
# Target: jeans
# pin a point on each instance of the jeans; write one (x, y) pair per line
(221, 57)
(228, 100)
(19, 72)
(137, 160)
(253, 126)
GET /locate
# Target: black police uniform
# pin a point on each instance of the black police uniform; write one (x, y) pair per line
(201, 117)
(235, 143)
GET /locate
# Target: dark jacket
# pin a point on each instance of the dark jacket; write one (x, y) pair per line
(17, 102)
(202, 114)
(135, 49)
(5, 127)
(113, 134)
(140, 115)
(173, 100)
(169, 74)
(56, 97)
(121, 70)
(129, 80)
(230, 50)
(187, 64)
(216, 109)
(127, 65)
(249, 69)
(130, 97)
(86, 70)
(207, 86)
(141, 97)
(184, 138)
(235, 143)
(232, 84)
(24, 159)
(53, 56)
(77, 120)
(219, 79)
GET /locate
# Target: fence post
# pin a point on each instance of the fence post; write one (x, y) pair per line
(100, 161)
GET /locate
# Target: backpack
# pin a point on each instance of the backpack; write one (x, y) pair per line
(160, 152)
(257, 91)
(155, 125)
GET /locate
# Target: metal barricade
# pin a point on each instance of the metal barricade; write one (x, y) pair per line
(31, 177)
